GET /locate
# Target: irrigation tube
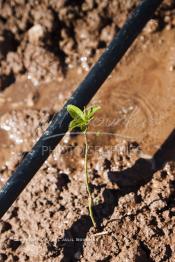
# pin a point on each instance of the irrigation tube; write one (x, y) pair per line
(81, 97)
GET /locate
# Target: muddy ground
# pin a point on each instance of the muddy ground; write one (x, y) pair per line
(46, 49)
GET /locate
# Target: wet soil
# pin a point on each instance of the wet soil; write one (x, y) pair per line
(47, 47)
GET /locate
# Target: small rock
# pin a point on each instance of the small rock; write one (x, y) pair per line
(172, 68)
(151, 26)
(35, 33)
(168, 27)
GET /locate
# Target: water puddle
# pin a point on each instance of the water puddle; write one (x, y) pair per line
(137, 101)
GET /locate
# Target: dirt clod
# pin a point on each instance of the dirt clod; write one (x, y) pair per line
(46, 49)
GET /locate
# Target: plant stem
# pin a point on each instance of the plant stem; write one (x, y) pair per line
(90, 199)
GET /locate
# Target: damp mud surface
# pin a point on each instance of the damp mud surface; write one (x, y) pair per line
(46, 49)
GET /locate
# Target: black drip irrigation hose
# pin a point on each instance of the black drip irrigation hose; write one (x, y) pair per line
(81, 97)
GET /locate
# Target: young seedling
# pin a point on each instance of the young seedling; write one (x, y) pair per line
(81, 119)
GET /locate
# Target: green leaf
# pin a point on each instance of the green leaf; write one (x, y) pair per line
(91, 111)
(75, 123)
(81, 118)
(75, 112)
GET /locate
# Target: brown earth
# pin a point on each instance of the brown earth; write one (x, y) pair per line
(47, 47)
